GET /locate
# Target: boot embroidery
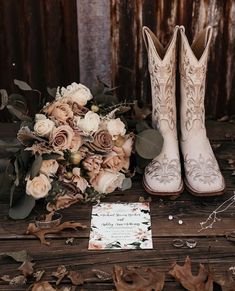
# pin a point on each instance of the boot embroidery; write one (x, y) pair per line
(163, 86)
(165, 170)
(194, 82)
(205, 170)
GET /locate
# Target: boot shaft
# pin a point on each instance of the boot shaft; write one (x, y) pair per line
(162, 67)
(193, 67)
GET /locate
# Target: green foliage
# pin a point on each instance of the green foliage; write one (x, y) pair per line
(148, 143)
(36, 166)
(22, 208)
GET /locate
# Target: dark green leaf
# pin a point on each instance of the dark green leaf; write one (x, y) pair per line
(22, 85)
(18, 256)
(142, 125)
(16, 112)
(126, 184)
(12, 191)
(23, 207)
(36, 166)
(51, 91)
(148, 143)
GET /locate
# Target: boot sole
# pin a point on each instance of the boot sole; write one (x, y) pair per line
(167, 194)
(204, 194)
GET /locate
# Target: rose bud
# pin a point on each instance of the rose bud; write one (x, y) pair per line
(95, 108)
(69, 175)
(119, 141)
(75, 158)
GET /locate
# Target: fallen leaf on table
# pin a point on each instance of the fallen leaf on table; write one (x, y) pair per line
(19, 256)
(42, 286)
(38, 275)
(227, 283)
(18, 280)
(75, 277)
(132, 279)
(104, 276)
(69, 241)
(64, 201)
(26, 268)
(183, 274)
(60, 273)
(40, 232)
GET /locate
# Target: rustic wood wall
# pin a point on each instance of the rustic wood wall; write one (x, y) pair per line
(38, 43)
(129, 55)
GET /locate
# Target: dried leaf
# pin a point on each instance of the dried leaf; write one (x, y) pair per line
(76, 278)
(19, 256)
(227, 283)
(64, 201)
(17, 280)
(183, 274)
(42, 286)
(230, 161)
(40, 233)
(224, 118)
(3, 98)
(103, 276)
(26, 268)
(233, 173)
(133, 279)
(60, 273)
(38, 275)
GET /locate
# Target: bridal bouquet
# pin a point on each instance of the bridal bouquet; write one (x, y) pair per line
(72, 153)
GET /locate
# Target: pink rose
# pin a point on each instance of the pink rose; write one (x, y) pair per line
(60, 111)
(62, 137)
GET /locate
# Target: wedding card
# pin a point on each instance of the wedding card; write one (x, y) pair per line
(120, 226)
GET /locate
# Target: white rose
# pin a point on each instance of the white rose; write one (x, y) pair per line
(43, 127)
(107, 181)
(49, 167)
(116, 127)
(40, 116)
(38, 187)
(90, 122)
(75, 93)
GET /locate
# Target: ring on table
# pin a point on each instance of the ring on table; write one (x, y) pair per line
(178, 243)
(191, 243)
(40, 221)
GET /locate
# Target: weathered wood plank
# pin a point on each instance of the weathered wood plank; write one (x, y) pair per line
(94, 36)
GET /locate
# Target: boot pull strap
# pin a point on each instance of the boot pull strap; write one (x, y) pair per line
(150, 39)
(145, 32)
(209, 32)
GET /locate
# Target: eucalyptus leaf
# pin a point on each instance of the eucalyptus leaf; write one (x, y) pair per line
(126, 184)
(36, 166)
(18, 256)
(148, 143)
(4, 98)
(142, 125)
(22, 85)
(19, 102)
(23, 207)
(16, 112)
(52, 91)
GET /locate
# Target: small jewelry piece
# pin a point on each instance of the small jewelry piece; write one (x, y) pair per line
(43, 224)
(191, 243)
(180, 221)
(178, 243)
(170, 217)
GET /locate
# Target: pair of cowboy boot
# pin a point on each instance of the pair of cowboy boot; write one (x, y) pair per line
(202, 176)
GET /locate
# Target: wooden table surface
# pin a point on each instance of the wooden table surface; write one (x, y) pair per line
(213, 249)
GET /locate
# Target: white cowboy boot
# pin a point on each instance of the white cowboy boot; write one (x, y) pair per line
(163, 175)
(202, 174)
